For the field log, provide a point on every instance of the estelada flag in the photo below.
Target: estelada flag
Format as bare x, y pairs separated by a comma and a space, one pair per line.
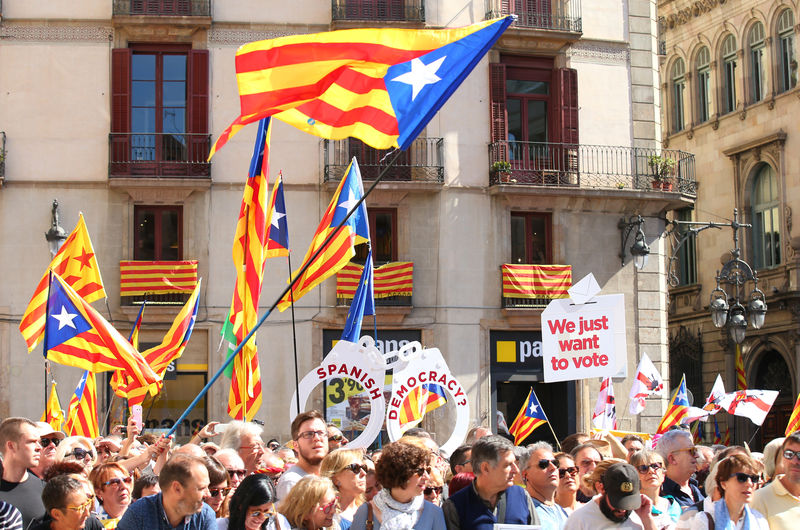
794, 419
75, 262
676, 410
379, 85
278, 235
529, 418
82, 409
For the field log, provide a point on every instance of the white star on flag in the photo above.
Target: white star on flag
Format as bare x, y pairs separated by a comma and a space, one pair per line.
349, 203
421, 74
65, 319
534, 408
277, 216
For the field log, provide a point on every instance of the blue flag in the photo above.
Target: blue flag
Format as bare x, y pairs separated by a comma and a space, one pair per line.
64, 320
363, 303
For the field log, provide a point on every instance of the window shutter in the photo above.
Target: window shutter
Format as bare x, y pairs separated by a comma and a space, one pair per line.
197, 112
497, 101
120, 110
567, 112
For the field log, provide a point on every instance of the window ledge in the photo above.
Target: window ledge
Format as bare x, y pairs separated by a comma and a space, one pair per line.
159, 190
528, 317
387, 315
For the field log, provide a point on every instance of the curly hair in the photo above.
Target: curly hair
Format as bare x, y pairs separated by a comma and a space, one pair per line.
399, 461
736, 463
254, 490
303, 498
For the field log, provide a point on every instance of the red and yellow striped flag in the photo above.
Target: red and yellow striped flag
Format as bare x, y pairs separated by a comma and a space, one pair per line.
536, 281
676, 410
156, 277
52, 412
794, 418
77, 265
741, 380
82, 409
392, 279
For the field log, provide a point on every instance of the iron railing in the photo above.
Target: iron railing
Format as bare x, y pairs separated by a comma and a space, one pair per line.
560, 15
156, 299
593, 166
397, 10
2, 155
422, 161
159, 154
525, 303
170, 8
389, 301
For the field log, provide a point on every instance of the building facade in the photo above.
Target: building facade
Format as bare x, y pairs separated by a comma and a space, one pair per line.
110, 108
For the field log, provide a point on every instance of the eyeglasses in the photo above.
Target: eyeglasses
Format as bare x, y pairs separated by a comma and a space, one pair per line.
44, 442
337, 438
789, 454
82, 507
545, 463
430, 490
328, 508
80, 453
118, 481
258, 514
357, 468
744, 477
237, 472
691, 450
215, 492
421, 471
644, 468
466, 462
309, 435
562, 471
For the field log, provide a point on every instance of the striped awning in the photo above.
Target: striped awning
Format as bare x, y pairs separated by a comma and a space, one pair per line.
392, 279
536, 281
157, 277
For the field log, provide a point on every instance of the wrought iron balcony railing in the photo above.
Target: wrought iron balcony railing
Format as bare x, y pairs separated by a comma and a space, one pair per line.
395, 10
423, 161
158, 154
593, 166
169, 8
559, 15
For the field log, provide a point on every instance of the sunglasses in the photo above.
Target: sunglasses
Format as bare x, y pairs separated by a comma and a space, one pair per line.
215, 492
788, 454
328, 508
562, 471
308, 435
430, 490
691, 450
44, 442
118, 481
273, 446
337, 438
237, 472
80, 454
421, 471
357, 468
744, 477
258, 514
545, 463
644, 468
82, 507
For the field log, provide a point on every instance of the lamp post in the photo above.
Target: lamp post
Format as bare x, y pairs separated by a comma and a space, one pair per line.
726, 309
56, 235
639, 249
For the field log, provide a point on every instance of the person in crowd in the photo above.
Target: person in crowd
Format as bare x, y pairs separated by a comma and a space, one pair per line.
190, 450
460, 460
252, 507
476, 506
433, 490
209, 430
574, 440
779, 501
521, 455
218, 486
112, 486
372, 486
677, 449
650, 465
619, 505
106, 448
272, 466
288, 456
21, 450
586, 457
234, 465
49, 440
77, 449
10, 518
632, 443
705, 455
592, 481
310, 504
210, 448
335, 437
67, 505
145, 486
404, 471
476, 433
245, 438
310, 436
347, 471
273, 444
737, 477
567, 483
65, 468
773, 459
459, 482
707, 504
541, 481
184, 482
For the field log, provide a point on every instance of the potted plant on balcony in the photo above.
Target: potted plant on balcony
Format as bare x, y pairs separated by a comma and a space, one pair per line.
502, 170
661, 168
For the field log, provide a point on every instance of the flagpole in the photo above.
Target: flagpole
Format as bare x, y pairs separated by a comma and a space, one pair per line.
294, 334
396, 154
44, 334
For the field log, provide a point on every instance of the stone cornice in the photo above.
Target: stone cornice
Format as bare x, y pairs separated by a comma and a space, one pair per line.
692, 9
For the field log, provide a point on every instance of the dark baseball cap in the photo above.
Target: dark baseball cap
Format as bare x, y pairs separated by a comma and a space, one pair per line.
621, 482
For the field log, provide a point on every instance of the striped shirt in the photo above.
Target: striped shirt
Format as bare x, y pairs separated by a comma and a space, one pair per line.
10, 518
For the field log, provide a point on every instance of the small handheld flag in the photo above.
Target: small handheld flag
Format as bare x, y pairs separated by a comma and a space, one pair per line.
82, 409
676, 410
530, 417
794, 418
605, 411
753, 404
648, 382
53, 413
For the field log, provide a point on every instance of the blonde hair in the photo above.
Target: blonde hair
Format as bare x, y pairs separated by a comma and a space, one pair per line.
339, 459
71, 442
304, 497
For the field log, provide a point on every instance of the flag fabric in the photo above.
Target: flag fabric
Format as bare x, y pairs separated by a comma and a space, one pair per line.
605, 411
697, 432
118, 379
717, 435
249, 258
82, 409
753, 404
77, 335
77, 264
138, 278
530, 417
676, 410
741, 380
536, 281
717, 391
379, 85
340, 249
52, 412
362, 304
133, 338
278, 232
392, 279
727, 441
794, 418
423, 399
648, 382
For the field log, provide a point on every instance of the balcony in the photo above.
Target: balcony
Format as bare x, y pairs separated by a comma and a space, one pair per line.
422, 162
156, 282
592, 167
393, 283
380, 10
527, 286
158, 155
2, 158
162, 8
554, 15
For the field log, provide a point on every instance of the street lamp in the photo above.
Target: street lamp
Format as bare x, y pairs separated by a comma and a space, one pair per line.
639, 249
56, 235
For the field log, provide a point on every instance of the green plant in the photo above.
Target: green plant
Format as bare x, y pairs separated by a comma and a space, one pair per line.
660, 166
501, 166
620, 185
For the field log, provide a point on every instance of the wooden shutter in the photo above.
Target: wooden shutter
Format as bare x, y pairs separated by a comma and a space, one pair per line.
120, 111
567, 105
497, 102
197, 112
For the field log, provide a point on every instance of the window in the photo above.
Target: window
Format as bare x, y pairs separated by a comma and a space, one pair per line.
687, 257
766, 218
703, 85
678, 86
157, 233
787, 62
729, 74
383, 233
530, 238
756, 45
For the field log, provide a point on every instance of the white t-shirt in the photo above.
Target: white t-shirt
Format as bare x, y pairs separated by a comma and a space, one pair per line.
287, 481
589, 517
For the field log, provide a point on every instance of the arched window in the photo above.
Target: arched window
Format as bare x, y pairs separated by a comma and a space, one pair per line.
703, 67
787, 65
766, 218
729, 74
755, 44
678, 86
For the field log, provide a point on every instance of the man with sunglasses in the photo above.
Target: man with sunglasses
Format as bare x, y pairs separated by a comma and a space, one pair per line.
310, 435
779, 501
49, 440
540, 476
335, 437
21, 450
677, 449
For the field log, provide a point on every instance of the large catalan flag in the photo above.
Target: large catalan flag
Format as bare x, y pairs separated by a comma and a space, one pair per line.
536, 281
340, 249
381, 86
392, 279
156, 277
52, 412
794, 418
529, 418
676, 410
82, 409
76, 263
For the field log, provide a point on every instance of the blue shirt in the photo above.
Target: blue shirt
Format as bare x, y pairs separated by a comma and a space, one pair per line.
670, 488
550, 515
148, 514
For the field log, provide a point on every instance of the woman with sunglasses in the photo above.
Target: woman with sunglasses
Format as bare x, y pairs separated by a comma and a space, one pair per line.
567, 489
347, 471
112, 488
650, 465
404, 471
252, 507
433, 491
310, 504
737, 478
217, 486
77, 449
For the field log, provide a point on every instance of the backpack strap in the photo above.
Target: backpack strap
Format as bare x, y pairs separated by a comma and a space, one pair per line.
710, 521
370, 524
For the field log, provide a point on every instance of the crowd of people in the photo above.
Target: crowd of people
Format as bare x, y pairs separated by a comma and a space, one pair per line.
227, 478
